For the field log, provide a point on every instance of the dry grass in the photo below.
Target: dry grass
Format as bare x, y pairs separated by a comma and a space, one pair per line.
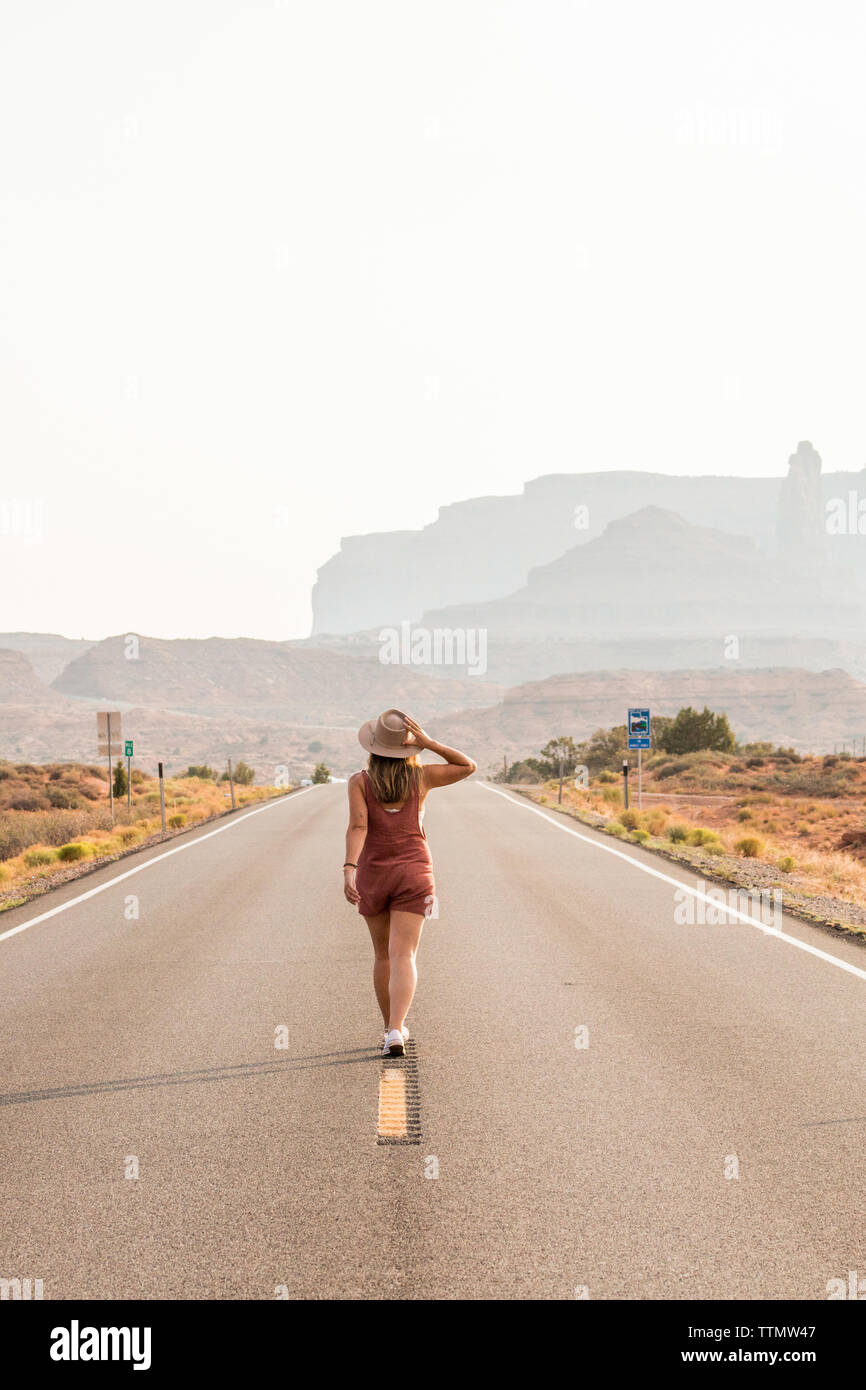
797, 836
34, 842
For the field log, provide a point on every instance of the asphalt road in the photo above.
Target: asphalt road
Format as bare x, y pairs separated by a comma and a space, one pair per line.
605, 1168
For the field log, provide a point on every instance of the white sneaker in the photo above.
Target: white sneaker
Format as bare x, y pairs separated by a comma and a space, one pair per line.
405, 1034
393, 1045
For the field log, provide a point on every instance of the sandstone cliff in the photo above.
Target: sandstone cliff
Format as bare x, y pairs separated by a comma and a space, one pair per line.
485, 547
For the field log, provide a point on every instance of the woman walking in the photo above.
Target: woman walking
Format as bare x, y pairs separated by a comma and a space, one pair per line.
388, 871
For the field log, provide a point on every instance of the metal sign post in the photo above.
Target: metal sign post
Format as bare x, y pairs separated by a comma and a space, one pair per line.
231, 784
625, 780
108, 723
127, 748
110, 782
639, 737
162, 797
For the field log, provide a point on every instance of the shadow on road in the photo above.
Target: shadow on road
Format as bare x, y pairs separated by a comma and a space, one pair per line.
191, 1078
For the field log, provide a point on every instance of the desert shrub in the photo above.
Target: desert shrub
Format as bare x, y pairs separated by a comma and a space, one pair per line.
28, 802
640, 836
72, 851
787, 863
655, 822
243, 775
701, 835
670, 771
630, 819
177, 821
525, 770
202, 770
714, 849
615, 828
754, 762
744, 814
813, 785
39, 855
692, 730
750, 847
61, 800
605, 776
56, 827
677, 833
128, 834
613, 796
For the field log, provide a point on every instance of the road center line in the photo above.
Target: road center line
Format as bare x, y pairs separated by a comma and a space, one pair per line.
678, 883
178, 849
393, 1120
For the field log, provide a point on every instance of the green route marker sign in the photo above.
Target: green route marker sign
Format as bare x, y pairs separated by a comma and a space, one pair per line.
127, 748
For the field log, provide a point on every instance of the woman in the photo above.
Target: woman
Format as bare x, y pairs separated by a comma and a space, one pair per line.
388, 870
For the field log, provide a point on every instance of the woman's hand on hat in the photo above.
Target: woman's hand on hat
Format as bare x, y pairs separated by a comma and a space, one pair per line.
418, 734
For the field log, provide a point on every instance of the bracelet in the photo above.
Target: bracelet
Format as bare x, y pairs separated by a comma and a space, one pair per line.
350, 866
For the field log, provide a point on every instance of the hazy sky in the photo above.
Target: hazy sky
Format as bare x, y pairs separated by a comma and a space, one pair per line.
273, 273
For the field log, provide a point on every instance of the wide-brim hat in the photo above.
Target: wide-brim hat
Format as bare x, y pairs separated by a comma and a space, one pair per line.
384, 736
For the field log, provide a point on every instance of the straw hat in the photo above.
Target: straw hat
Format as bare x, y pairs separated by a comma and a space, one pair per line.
384, 736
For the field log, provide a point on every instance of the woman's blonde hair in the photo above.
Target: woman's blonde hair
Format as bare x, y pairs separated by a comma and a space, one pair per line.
394, 779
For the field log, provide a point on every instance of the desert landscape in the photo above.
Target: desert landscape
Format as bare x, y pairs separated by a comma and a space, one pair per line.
585, 594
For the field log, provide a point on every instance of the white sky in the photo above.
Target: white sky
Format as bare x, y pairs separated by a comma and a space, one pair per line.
273, 273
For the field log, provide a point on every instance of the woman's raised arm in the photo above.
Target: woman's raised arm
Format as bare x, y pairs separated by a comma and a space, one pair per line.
457, 765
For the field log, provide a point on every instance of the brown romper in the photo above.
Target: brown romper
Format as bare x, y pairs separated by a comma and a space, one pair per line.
395, 869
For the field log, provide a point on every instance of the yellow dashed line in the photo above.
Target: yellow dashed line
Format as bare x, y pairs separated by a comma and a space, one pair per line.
393, 1119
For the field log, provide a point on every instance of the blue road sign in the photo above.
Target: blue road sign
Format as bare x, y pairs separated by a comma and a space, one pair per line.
638, 728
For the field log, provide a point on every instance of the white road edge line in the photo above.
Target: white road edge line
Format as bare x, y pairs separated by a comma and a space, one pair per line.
178, 849
678, 883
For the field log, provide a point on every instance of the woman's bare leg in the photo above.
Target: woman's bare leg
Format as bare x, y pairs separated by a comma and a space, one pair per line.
381, 963
403, 938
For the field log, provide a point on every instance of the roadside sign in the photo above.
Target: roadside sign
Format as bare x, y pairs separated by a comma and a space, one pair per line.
105, 720
638, 728
108, 739
127, 748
